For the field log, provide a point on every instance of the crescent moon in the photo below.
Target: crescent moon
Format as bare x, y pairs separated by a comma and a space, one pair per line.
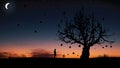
6, 5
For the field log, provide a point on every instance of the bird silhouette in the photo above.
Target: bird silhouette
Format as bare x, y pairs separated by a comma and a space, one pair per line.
69, 46
24, 5
73, 53
64, 13
79, 45
61, 44
35, 31
106, 45
41, 21
18, 24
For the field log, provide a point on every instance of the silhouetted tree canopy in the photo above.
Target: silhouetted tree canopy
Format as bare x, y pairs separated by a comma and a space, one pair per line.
83, 30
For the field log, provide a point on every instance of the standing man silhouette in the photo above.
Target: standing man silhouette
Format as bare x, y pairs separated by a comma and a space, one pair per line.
54, 53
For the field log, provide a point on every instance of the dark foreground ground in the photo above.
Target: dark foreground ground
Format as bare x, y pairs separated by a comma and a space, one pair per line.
60, 61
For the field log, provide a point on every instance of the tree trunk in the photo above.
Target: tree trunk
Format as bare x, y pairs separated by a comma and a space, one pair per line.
85, 53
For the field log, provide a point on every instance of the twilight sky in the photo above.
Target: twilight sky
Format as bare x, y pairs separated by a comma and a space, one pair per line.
29, 27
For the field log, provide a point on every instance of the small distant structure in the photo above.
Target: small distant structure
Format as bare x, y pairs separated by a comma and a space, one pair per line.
105, 55
63, 55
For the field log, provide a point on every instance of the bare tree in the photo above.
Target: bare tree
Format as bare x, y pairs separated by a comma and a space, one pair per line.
83, 30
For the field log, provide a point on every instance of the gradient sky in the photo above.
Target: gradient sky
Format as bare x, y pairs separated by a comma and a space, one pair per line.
30, 26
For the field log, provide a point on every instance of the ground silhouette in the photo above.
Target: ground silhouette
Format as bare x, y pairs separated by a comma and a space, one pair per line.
60, 61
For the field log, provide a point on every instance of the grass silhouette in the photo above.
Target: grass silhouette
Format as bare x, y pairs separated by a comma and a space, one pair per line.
60, 61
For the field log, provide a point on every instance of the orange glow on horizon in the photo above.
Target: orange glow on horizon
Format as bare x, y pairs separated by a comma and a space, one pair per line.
95, 51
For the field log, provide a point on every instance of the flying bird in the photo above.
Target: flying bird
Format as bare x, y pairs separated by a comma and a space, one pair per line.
41, 21
35, 31
64, 13
106, 46
61, 44
18, 24
24, 5
69, 46
79, 45
73, 53
110, 46
102, 18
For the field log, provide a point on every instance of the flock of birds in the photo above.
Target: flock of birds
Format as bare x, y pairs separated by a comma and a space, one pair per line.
35, 30
40, 22
80, 46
